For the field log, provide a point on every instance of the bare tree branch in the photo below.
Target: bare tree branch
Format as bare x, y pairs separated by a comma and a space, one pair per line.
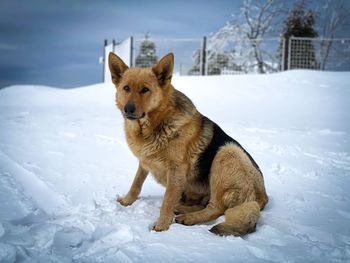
259, 16
336, 16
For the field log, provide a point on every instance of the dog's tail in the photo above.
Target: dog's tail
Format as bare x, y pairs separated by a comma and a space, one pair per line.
239, 220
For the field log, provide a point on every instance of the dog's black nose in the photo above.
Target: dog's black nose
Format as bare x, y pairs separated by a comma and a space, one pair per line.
129, 108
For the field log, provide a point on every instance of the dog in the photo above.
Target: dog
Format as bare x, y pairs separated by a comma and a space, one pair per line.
206, 173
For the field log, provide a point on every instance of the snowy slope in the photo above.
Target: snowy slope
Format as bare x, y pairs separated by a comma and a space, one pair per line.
64, 160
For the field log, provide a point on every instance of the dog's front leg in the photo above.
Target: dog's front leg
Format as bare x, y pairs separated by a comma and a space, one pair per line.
135, 188
176, 179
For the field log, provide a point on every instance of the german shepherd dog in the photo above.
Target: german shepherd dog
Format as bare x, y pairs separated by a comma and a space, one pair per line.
206, 173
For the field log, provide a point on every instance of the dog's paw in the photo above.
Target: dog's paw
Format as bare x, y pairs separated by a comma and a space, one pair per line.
218, 230
160, 228
185, 219
162, 224
125, 201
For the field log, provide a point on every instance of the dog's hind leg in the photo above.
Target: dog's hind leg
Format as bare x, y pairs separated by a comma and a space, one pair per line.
231, 184
185, 209
241, 181
209, 213
239, 220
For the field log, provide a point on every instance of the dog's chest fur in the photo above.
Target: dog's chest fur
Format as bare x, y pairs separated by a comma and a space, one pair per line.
177, 140
160, 149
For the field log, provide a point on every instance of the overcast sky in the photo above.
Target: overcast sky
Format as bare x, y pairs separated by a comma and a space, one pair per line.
58, 43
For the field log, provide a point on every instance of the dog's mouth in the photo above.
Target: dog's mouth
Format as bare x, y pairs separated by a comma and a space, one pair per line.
132, 117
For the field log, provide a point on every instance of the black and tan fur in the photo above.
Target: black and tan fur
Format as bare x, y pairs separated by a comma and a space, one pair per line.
206, 173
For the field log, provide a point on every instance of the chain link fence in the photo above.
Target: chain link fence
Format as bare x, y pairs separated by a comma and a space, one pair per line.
202, 56
318, 54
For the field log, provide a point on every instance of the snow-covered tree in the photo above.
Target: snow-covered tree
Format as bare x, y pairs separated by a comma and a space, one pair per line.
222, 63
218, 62
147, 53
261, 18
195, 69
220, 54
258, 18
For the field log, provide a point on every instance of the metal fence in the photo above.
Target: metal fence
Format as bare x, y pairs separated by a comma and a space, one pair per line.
202, 56
318, 54
243, 56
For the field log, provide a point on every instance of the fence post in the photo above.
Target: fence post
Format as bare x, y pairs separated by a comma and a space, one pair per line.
104, 59
131, 50
283, 64
204, 53
289, 52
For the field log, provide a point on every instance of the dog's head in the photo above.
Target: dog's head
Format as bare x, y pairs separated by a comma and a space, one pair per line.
140, 90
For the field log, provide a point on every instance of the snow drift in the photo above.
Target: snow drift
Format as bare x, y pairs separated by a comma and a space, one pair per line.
64, 160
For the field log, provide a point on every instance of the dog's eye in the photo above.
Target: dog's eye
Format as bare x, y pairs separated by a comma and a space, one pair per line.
144, 90
126, 88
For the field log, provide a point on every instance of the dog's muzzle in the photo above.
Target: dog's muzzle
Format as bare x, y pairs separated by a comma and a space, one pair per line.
130, 112
133, 117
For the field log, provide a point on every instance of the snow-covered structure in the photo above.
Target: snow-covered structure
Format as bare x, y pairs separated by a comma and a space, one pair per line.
122, 49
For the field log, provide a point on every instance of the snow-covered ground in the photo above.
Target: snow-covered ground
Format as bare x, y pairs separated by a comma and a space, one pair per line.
64, 160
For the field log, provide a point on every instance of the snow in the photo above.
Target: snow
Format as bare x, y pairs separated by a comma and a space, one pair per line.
64, 161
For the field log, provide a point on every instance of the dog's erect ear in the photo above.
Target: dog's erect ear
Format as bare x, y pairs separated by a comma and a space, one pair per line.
117, 67
164, 69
